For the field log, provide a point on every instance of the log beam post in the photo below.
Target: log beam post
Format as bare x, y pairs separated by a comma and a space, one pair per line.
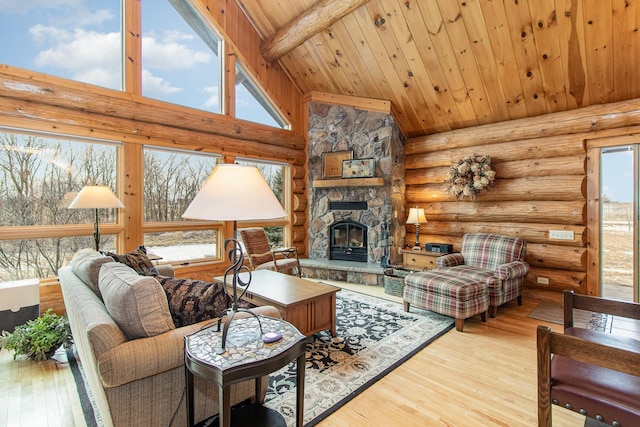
321, 16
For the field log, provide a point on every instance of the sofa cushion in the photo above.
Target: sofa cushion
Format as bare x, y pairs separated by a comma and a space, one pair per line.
136, 259
137, 303
86, 265
192, 301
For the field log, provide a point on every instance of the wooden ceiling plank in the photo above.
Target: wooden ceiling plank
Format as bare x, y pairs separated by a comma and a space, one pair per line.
454, 25
503, 91
545, 31
416, 74
598, 41
320, 17
572, 51
257, 16
518, 17
333, 65
517, 58
626, 49
592, 49
405, 99
430, 62
375, 67
448, 62
350, 40
395, 47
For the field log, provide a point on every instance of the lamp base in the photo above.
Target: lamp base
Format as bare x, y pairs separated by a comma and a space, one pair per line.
225, 327
416, 248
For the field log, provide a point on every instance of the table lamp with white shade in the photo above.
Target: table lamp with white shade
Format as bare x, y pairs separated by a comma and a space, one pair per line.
96, 197
234, 193
417, 217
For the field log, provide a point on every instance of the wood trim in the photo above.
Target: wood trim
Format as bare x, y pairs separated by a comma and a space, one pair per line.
594, 277
348, 182
229, 84
56, 231
131, 189
132, 55
369, 104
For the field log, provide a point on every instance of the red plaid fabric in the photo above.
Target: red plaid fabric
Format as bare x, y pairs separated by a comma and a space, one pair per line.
496, 261
454, 296
489, 251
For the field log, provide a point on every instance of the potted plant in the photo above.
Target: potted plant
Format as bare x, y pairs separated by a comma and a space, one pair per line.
38, 339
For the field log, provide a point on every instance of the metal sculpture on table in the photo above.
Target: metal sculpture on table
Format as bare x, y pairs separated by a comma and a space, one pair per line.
234, 251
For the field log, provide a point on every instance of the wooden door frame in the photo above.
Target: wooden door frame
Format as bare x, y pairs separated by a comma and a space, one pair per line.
593, 148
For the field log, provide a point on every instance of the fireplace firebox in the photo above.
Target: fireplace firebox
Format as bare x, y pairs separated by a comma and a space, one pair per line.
348, 241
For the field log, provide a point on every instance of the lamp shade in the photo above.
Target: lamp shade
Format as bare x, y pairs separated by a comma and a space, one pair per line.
416, 216
95, 197
235, 193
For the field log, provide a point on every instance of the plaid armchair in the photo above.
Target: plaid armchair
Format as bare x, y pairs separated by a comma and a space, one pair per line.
497, 261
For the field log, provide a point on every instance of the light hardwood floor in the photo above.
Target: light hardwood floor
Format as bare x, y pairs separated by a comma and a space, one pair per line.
484, 376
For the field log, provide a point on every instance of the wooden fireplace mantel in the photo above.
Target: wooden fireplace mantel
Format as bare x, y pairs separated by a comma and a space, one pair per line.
348, 182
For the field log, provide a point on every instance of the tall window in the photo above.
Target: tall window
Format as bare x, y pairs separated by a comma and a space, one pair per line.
39, 176
77, 40
171, 180
180, 56
251, 104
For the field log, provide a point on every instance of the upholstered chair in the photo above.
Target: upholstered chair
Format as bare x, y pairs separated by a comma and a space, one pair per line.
593, 372
497, 261
263, 257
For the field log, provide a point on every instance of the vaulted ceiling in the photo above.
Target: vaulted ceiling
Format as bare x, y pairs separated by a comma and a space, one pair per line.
450, 64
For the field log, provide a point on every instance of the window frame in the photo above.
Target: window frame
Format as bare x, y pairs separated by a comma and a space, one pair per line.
188, 225
62, 231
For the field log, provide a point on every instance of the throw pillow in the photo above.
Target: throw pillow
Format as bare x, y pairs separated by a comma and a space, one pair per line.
86, 265
192, 301
136, 303
136, 259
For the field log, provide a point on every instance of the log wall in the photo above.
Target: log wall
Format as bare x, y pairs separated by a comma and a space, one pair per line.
540, 185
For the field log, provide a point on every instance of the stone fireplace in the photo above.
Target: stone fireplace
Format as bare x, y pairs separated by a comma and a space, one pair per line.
369, 213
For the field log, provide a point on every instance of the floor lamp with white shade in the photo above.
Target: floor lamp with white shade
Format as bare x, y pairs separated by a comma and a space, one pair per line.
235, 193
96, 197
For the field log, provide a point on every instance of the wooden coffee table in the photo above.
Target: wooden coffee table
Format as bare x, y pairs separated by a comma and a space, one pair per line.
310, 306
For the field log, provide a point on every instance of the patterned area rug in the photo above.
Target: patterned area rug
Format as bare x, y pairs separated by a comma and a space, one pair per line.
374, 336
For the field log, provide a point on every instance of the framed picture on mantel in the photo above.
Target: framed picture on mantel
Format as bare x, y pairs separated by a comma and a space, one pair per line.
332, 163
358, 168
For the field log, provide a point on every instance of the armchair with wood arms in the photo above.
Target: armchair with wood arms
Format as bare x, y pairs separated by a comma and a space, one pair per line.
594, 373
263, 257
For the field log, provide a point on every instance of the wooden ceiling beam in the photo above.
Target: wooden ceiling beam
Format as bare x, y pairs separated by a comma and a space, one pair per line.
320, 17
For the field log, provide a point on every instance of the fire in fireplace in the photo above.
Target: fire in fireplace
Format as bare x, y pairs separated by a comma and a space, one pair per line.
348, 241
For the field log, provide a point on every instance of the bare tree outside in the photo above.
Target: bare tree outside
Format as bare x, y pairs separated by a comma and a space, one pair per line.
171, 181
38, 179
41, 175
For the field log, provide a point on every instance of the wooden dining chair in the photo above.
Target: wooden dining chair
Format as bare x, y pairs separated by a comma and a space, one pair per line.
594, 373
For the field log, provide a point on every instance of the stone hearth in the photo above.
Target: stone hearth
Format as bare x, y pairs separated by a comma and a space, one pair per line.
368, 135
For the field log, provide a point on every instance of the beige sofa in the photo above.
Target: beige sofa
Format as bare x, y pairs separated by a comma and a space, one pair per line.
135, 382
